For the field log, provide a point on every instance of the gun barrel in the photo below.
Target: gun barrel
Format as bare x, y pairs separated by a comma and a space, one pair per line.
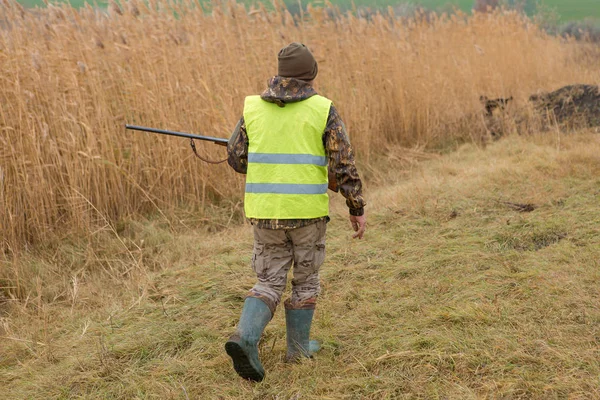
219, 141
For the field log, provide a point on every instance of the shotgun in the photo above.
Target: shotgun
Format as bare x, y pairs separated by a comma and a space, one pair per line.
219, 141
332, 184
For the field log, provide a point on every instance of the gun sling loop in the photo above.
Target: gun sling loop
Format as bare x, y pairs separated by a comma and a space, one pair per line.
202, 158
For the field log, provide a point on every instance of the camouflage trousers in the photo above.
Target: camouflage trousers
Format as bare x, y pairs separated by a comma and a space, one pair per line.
276, 250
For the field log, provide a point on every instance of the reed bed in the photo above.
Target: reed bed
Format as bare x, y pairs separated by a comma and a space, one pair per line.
71, 78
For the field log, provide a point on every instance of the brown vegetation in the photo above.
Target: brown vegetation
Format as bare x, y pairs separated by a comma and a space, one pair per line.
72, 79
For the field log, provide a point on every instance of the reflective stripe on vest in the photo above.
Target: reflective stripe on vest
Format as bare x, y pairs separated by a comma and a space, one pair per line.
287, 165
265, 158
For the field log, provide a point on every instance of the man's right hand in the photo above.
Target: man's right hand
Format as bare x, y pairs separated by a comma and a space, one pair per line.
359, 224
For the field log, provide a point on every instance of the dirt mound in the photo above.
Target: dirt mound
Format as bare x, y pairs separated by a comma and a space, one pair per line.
570, 107
578, 104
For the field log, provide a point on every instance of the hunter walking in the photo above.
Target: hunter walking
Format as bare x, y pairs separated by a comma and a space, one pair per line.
292, 144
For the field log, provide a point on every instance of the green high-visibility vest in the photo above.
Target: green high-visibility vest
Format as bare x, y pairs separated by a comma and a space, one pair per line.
287, 164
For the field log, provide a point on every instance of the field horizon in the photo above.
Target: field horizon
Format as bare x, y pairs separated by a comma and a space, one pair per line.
574, 11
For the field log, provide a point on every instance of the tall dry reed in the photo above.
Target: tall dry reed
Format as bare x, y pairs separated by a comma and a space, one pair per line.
72, 78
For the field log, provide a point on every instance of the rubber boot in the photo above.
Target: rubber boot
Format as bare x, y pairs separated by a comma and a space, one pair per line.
298, 322
242, 346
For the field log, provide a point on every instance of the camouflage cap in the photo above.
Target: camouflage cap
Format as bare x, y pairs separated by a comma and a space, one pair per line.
296, 61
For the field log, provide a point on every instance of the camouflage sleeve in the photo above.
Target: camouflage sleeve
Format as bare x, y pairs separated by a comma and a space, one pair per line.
237, 148
341, 162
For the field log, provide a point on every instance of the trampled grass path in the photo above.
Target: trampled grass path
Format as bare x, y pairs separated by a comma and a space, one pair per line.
458, 292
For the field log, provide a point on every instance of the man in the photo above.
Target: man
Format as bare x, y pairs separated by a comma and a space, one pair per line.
287, 141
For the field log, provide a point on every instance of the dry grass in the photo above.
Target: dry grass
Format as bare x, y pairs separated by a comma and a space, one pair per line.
72, 78
453, 294
123, 265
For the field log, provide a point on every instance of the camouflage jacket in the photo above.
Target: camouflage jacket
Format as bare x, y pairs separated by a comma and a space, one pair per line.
335, 140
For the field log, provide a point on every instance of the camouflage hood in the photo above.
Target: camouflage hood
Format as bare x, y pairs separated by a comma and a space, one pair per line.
287, 90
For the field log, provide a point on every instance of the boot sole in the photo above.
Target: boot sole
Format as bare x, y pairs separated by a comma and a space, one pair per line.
241, 363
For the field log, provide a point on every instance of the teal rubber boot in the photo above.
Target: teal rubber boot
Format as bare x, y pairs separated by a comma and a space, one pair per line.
298, 322
242, 346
